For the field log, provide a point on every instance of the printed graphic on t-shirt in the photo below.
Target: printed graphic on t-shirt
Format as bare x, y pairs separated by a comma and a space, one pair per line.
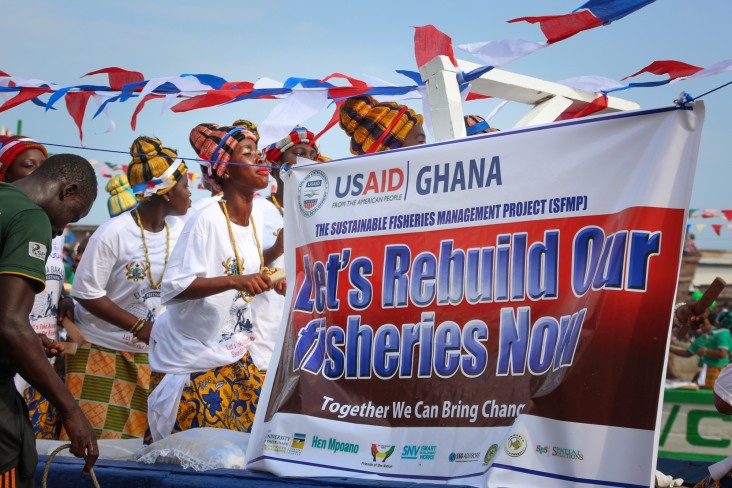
238, 320
136, 270
37, 250
230, 267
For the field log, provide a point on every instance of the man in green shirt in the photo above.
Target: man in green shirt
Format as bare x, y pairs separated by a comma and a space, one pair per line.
32, 210
712, 347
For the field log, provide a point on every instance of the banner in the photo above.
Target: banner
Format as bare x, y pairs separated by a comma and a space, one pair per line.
486, 311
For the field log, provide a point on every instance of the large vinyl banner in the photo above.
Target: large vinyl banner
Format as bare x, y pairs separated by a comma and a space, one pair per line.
486, 311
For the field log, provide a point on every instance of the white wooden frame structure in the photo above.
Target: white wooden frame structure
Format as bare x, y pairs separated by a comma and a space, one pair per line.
548, 99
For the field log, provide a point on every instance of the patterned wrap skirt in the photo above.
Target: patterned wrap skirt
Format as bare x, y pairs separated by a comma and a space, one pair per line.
112, 389
222, 398
44, 416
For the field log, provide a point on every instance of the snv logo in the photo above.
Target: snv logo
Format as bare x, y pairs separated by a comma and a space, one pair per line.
384, 181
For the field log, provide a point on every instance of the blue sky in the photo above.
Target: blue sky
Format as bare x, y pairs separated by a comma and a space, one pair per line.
60, 41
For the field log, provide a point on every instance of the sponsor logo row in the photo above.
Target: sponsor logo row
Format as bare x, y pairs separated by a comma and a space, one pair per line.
516, 446
382, 455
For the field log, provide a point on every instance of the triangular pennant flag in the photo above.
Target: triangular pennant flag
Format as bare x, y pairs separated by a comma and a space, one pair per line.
727, 214
76, 105
597, 105
119, 77
611, 10
559, 27
717, 228
140, 105
674, 69
429, 42
709, 213
692, 211
700, 227
25, 94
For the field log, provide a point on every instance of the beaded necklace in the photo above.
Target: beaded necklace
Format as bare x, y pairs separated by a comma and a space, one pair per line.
154, 285
239, 262
277, 204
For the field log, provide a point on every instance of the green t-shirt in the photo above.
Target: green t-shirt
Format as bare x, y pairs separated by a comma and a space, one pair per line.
25, 236
715, 339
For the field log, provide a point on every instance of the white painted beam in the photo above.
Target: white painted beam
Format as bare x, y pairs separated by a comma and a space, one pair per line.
445, 102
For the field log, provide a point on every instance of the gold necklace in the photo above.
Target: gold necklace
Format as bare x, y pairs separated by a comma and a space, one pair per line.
239, 262
277, 204
147, 254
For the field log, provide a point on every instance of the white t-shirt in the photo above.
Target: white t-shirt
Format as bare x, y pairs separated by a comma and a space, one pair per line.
114, 265
44, 315
267, 307
199, 205
202, 334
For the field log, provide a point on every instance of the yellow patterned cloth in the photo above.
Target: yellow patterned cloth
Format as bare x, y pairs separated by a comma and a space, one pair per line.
221, 398
112, 389
709, 482
711, 377
44, 417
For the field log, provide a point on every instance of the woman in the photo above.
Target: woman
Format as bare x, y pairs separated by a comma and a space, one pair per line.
380, 126
117, 287
19, 157
201, 370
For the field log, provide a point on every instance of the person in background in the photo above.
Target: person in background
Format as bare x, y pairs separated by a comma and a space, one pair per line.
475, 124
720, 474
117, 289
202, 372
121, 199
35, 209
19, 157
380, 126
712, 347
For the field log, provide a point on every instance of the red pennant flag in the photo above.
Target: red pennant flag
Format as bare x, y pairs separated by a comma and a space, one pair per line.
674, 69
598, 104
25, 94
717, 228
140, 105
212, 98
476, 96
351, 80
3, 73
727, 214
76, 105
119, 77
429, 43
558, 27
333, 120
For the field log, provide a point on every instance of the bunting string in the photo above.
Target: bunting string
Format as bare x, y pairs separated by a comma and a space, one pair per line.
301, 98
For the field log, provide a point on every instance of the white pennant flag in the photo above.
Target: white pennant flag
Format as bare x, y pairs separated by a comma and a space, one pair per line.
500, 53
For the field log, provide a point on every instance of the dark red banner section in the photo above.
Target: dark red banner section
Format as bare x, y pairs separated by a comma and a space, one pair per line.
469, 327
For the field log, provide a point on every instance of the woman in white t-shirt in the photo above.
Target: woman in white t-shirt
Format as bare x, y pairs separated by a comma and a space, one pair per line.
199, 345
117, 288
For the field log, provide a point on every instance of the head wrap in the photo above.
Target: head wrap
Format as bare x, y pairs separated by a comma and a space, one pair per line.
12, 146
475, 124
299, 135
154, 169
248, 125
215, 145
375, 127
121, 198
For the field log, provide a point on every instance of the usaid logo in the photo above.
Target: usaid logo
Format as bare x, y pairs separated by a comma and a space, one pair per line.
312, 192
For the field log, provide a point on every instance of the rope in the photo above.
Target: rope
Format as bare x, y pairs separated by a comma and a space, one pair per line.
128, 153
685, 98
47, 468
